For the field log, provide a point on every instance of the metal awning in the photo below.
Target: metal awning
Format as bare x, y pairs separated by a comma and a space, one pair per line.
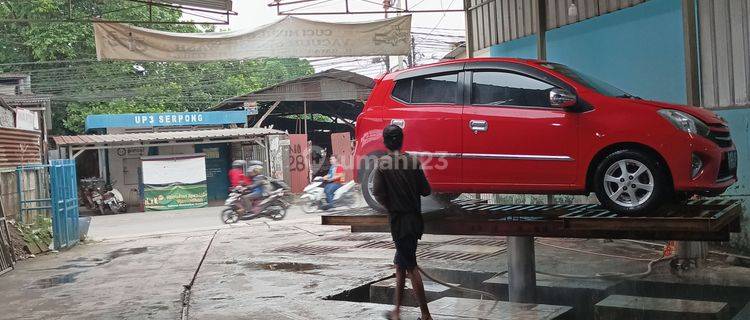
81, 143
223, 5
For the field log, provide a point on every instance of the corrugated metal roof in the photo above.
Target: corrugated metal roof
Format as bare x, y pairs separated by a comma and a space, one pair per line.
223, 5
329, 85
182, 136
25, 99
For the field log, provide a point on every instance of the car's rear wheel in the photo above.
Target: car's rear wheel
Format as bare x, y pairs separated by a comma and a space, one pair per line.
631, 181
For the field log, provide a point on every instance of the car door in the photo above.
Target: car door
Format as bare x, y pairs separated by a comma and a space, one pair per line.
513, 140
428, 108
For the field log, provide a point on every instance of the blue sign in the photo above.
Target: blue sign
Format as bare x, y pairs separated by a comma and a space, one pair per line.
145, 120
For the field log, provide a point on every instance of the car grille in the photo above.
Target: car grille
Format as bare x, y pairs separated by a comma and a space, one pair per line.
720, 136
724, 172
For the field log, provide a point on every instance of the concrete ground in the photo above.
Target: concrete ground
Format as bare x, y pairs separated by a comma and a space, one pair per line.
139, 265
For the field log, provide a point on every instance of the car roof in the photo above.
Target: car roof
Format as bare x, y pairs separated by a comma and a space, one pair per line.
394, 74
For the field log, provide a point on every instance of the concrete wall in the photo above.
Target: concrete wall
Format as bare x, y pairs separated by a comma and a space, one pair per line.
7, 118
620, 48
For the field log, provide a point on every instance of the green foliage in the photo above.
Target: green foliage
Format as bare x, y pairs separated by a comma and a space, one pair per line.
80, 88
39, 232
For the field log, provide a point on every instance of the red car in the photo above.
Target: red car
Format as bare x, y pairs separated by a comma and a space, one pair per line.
492, 125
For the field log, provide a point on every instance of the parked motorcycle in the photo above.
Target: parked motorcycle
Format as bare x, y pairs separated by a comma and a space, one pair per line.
272, 206
96, 195
314, 197
114, 201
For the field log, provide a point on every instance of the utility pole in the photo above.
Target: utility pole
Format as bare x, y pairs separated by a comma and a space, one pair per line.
387, 59
412, 58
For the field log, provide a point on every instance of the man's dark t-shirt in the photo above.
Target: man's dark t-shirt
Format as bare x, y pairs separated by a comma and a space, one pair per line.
399, 183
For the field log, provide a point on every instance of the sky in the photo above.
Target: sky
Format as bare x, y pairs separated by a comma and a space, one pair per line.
433, 31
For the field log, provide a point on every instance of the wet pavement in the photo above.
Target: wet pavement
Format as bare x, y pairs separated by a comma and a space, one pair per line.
299, 269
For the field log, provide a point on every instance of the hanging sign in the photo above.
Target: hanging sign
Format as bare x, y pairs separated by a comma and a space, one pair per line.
290, 37
175, 182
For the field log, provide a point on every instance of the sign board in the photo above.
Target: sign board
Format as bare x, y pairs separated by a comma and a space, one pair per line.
290, 37
26, 119
299, 162
175, 182
341, 144
147, 120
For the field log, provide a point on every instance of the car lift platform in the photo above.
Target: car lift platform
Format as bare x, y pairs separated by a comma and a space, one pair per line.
699, 220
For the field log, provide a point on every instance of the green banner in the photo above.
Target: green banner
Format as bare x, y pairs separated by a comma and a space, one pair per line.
176, 196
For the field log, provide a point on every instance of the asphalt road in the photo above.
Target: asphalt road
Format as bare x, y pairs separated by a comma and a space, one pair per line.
128, 225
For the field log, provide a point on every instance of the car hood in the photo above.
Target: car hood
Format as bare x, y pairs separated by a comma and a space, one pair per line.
705, 115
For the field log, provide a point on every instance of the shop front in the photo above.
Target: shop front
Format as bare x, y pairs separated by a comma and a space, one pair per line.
144, 156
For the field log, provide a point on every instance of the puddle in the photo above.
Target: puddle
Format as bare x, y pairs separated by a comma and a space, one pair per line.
56, 280
126, 252
96, 262
283, 266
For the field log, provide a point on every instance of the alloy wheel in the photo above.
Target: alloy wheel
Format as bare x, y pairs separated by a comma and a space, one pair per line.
628, 183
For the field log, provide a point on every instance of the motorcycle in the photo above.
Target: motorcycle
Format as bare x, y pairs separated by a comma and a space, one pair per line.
314, 196
95, 195
114, 201
272, 206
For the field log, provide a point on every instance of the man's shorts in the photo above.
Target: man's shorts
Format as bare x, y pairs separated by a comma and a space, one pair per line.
406, 252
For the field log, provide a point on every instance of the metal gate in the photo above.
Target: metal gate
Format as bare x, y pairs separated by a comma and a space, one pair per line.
64, 191
6, 252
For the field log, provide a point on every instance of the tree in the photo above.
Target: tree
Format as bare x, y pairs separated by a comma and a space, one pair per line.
80, 88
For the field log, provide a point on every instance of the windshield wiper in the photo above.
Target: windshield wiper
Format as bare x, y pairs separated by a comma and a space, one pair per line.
628, 96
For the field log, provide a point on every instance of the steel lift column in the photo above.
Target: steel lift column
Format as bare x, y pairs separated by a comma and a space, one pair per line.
521, 270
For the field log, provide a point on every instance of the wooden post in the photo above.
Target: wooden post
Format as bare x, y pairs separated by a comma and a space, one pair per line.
469, 30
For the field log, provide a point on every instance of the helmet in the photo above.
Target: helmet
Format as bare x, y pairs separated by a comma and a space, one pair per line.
255, 169
255, 163
238, 163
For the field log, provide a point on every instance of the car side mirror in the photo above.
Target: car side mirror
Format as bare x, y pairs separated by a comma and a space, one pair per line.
562, 98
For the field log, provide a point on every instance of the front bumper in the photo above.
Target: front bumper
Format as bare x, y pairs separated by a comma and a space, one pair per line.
715, 176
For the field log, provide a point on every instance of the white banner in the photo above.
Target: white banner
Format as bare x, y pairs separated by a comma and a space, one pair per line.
287, 38
165, 170
26, 119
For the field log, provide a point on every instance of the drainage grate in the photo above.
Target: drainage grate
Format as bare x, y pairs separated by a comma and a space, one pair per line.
309, 250
358, 237
478, 242
459, 256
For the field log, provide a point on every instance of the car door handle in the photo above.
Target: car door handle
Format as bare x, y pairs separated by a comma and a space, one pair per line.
478, 125
398, 122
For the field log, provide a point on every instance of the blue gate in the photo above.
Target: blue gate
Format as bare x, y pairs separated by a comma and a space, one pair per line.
64, 192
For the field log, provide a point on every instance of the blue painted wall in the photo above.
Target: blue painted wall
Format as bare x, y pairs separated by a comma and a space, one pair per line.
639, 49
519, 48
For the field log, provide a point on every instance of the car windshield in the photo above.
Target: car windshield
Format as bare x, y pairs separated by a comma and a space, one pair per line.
588, 81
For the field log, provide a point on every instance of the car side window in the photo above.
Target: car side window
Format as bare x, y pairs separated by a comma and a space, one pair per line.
508, 89
402, 90
428, 89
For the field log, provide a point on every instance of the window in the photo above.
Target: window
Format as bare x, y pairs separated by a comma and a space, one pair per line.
586, 80
402, 90
508, 89
430, 89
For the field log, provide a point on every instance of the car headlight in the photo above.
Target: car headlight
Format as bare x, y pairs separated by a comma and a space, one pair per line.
685, 122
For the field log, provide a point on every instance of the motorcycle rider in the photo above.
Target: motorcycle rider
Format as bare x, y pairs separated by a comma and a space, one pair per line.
334, 179
237, 176
256, 190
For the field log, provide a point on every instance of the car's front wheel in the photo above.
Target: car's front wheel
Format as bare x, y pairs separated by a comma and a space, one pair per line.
631, 181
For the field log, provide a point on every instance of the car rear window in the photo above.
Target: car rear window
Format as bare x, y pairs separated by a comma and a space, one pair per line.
429, 89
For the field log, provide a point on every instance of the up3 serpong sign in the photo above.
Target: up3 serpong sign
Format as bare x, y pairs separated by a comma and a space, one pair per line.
140, 120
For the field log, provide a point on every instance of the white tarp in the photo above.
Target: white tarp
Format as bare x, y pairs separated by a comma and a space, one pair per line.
287, 38
180, 169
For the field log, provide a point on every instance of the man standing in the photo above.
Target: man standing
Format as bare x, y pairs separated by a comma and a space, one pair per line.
399, 184
334, 178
